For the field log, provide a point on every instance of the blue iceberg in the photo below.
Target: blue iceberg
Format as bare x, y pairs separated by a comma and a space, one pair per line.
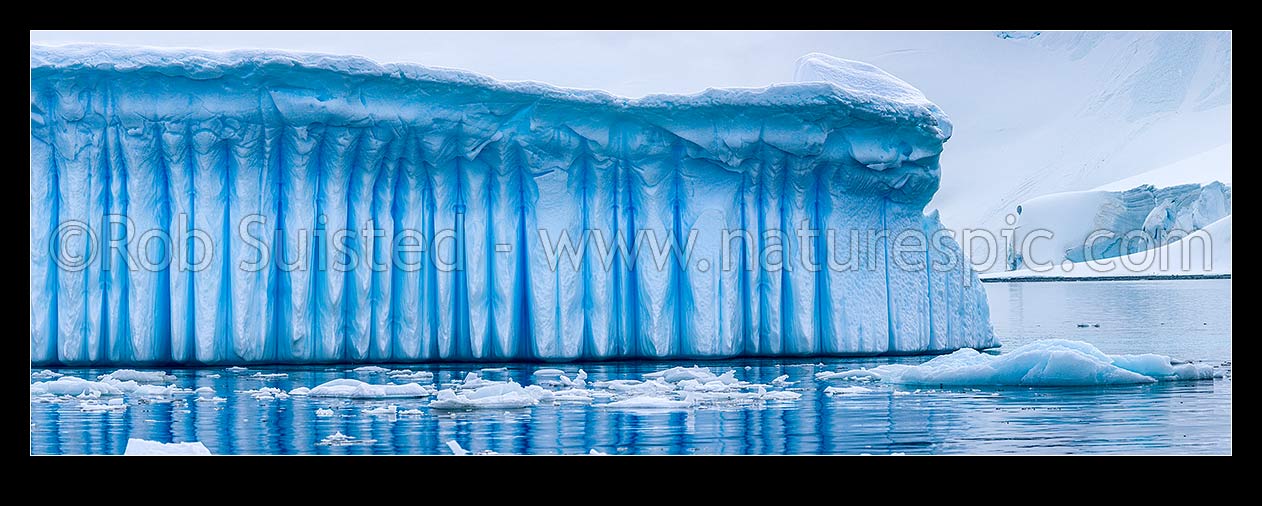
198, 207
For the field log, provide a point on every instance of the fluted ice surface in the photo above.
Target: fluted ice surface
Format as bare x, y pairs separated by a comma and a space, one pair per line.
216, 187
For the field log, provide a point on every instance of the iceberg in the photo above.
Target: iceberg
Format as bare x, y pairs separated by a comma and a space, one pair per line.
1126, 218
1044, 363
253, 207
144, 447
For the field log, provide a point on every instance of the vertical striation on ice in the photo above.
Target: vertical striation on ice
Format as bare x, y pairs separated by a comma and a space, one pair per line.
314, 208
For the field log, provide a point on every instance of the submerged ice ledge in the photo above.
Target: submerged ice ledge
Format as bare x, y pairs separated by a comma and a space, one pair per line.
186, 143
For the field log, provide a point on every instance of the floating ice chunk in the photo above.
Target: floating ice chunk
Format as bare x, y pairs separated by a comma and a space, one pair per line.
213, 376
339, 439
1050, 362
847, 390
236, 369
114, 405
211, 399
676, 374
325, 413
649, 402
539, 393
579, 381
355, 389
508, 395
635, 387
300, 391
411, 412
781, 381
409, 375
596, 452
157, 391
474, 381
390, 410
70, 385
138, 376
144, 447
542, 373
369, 369
456, 448
269, 376
780, 395
204, 391
46, 374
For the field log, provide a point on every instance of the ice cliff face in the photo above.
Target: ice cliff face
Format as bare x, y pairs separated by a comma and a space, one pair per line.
188, 207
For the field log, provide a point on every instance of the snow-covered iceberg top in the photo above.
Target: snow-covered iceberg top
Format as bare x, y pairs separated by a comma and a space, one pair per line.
824, 117
823, 81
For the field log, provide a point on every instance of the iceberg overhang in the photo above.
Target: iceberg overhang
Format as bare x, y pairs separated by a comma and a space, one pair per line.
266, 207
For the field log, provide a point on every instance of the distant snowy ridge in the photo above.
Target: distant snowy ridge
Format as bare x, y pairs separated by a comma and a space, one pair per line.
478, 171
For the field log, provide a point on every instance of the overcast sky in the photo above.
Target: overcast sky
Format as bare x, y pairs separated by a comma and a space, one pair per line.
626, 63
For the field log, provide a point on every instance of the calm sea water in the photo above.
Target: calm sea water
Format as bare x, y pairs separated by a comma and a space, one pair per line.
1186, 319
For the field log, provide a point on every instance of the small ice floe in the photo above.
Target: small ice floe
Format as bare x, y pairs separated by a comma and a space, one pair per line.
539, 393
113, 405
300, 391
779, 395
144, 447
409, 375
596, 452
157, 377
579, 381
355, 389
507, 395
474, 381
781, 381
677, 374
649, 402
369, 369
388, 411
544, 373
266, 394
577, 396
636, 387
204, 391
847, 390
269, 376
456, 449
213, 376
1049, 362
237, 369
325, 413
211, 399
70, 385
411, 412
158, 391
339, 439
46, 374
